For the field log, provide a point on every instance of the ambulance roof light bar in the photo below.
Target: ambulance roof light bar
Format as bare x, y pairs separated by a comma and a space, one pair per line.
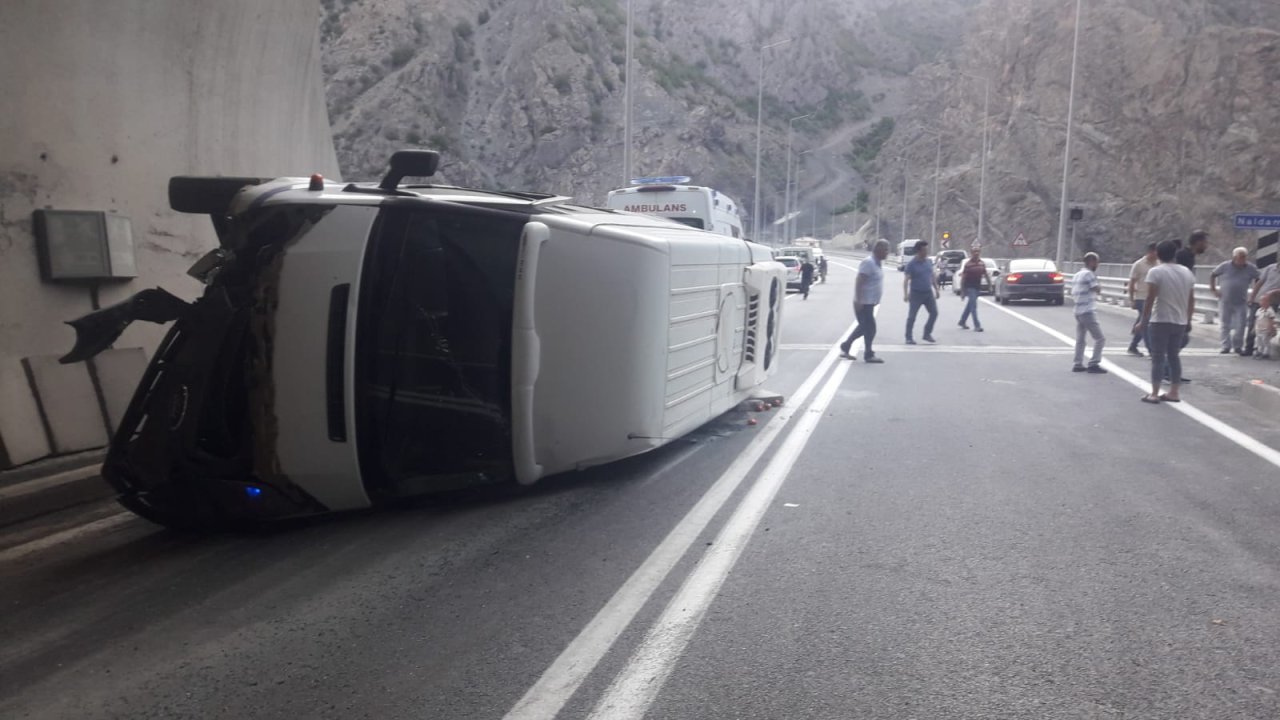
670, 180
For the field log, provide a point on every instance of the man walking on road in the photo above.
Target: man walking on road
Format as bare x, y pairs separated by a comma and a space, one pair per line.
920, 288
1233, 298
972, 275
1138, 296
867, 291
1085, 288
1171, 301
806, 277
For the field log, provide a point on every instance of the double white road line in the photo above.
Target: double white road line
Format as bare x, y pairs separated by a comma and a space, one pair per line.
635, 688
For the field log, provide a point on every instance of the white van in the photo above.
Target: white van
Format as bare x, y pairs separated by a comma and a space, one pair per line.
698, 207
358, 343
906, 249
803, 253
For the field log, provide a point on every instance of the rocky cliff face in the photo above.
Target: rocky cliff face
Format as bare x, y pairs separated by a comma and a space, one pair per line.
528, 93
1177, 123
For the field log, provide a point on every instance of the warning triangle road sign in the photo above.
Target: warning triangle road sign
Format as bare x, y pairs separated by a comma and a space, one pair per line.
1021, 241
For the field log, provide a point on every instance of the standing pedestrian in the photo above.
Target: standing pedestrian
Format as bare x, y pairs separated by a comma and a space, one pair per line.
1267, 322
806, 277
1171, 300
1197, 244
972, 275
868, 288
1085, 289
920, 289
1267, 282
1138, 296
822, 268
1237, 274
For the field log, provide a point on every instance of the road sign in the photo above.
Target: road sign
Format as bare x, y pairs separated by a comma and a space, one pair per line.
946, 243
1021, 241
1267, 247
1246, 221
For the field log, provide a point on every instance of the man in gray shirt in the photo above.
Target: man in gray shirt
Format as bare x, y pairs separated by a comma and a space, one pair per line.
1230, 281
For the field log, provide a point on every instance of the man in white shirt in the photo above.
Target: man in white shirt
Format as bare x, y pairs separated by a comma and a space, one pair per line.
1138, 295
1171, 301
868, 289
1085, 288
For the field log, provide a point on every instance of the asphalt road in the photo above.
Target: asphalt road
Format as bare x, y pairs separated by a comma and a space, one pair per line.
967, 531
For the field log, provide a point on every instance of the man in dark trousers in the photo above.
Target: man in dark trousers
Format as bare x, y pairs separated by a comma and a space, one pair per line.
867, 291
806, 277
822, 268
920, 289
1197, 244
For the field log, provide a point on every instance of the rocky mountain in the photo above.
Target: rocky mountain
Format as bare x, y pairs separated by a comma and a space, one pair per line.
1177, 124
529, 93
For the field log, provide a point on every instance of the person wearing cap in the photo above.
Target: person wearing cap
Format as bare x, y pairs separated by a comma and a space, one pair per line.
1085, 289
1237, 275
920, 289
1138, 296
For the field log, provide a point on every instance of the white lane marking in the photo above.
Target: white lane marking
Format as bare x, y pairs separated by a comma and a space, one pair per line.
1245, 441
970, 349
103, 525
846, 267
635, 688
561, 680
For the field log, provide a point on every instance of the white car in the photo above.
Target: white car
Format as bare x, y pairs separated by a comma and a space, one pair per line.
794, 275
358, 343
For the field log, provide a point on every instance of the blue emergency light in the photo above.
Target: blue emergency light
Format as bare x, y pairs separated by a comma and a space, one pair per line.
671, 180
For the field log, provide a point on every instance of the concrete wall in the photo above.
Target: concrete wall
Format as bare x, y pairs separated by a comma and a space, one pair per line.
102, 101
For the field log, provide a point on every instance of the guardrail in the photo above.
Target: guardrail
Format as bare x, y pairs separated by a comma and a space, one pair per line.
1115, 291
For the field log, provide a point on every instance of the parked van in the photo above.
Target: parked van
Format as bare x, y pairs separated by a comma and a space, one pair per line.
703, 208
804, 254
906, 249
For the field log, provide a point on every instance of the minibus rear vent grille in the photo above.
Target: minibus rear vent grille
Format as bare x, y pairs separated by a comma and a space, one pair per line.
753, 326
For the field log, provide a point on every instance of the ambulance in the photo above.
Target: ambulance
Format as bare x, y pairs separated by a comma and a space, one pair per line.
357, 343
673, 198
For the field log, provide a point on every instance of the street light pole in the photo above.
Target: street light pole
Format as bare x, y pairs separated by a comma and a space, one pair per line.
879, 204
1066, 158
786, 193
986, 145
904, 198
937, 174
626, 107
755, 207
792, 223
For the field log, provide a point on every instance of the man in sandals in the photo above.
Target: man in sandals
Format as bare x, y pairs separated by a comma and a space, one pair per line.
1171, 301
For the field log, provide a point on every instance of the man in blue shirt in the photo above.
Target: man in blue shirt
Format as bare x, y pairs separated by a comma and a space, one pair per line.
920, 287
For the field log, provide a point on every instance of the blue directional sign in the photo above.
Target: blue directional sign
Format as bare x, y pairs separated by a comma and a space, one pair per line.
1257, 222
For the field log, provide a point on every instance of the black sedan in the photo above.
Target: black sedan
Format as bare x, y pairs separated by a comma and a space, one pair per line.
1031, 279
